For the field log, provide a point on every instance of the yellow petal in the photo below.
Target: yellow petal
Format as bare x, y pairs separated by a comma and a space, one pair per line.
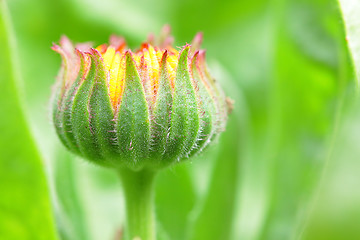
119, 83
154, 68
109, 57
114, 73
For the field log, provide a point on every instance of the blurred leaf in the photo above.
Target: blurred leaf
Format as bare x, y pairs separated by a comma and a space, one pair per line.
213, 217
350, 11
306, 98
175, 198
25, 211
336, 212
70, 212
101, 199
214, 220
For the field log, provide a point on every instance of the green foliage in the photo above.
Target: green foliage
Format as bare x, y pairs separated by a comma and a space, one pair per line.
25, 211
70, 215
350, 10
294, 124
218, 207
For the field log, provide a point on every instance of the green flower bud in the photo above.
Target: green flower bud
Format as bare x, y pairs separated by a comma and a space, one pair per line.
147, 109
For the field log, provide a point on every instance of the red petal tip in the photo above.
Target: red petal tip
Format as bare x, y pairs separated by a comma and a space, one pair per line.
164, 56
117, 41
166, 29
85, 47
55, 47
128, 53
151, 38
196, 43
196, 54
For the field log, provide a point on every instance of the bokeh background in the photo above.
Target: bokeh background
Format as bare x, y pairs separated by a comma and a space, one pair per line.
286, 168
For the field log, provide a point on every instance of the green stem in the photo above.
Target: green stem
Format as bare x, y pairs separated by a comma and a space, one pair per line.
138, 191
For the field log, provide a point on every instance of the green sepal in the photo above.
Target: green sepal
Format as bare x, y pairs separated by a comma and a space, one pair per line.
160, 124
80, 119
185, 117
58, 98
101, 111
146, 82
218, 97
66, 106
133, 127
56, 115
206, 108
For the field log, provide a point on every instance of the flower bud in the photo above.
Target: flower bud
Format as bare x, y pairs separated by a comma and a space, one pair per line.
149, 108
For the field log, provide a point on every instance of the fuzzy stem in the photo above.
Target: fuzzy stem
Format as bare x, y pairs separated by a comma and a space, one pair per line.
138, 191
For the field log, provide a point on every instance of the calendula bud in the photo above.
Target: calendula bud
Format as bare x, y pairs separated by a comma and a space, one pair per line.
149, 108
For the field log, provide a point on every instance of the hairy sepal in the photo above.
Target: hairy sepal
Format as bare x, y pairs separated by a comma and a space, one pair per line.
185, 121
132, 124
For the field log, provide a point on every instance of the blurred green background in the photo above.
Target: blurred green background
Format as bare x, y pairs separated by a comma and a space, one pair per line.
286, 168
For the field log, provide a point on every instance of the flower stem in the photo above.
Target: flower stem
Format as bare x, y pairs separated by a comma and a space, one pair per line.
138, 191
